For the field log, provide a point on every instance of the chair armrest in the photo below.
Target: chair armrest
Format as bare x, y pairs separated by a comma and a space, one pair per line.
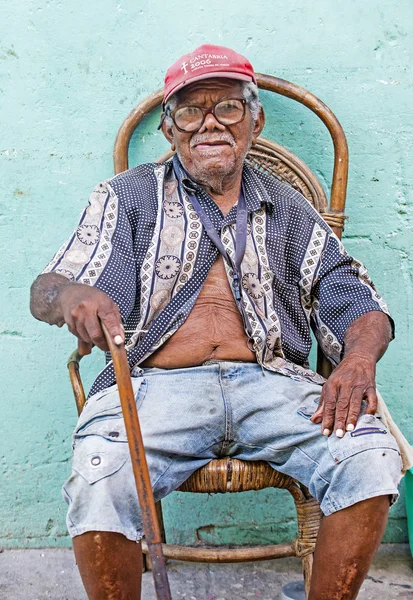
77, 385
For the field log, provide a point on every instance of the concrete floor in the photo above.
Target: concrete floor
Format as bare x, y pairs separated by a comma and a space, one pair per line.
45, 574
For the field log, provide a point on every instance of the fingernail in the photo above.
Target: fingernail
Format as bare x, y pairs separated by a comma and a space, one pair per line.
118, 340
326, 432
350, 427
339, 433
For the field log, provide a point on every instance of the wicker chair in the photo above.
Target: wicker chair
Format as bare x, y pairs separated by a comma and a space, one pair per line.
231, 475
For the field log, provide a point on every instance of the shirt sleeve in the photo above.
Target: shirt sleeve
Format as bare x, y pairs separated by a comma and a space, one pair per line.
100, 250
342, 292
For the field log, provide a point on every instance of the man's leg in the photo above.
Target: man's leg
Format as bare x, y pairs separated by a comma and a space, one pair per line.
182, 420
346, 544
110, 565
352, 477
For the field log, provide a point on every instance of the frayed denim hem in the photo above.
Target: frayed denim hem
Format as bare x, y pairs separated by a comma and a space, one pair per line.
330, 505
131, 535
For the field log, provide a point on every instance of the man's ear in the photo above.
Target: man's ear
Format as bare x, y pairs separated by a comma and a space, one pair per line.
167, 131
258, 125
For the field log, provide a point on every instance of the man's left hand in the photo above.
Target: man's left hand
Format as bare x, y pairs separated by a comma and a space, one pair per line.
340, 404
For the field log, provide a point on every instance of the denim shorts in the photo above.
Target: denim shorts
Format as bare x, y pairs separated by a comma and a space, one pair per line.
193, 415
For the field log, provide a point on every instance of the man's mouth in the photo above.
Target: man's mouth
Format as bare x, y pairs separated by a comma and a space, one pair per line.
208, 145
204, 143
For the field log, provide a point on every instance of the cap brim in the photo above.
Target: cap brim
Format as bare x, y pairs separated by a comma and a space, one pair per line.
223, 74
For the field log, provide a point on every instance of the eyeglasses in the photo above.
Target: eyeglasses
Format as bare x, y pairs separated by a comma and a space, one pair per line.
189, 119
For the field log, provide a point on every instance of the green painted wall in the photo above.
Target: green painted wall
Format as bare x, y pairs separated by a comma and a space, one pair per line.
69, 73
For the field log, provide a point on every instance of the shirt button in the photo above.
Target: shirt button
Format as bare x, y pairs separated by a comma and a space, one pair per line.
95, 460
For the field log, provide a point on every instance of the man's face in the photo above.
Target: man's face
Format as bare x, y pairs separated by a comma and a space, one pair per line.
215, 150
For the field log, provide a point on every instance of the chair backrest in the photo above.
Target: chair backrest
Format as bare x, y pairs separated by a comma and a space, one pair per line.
269, 156
273, 159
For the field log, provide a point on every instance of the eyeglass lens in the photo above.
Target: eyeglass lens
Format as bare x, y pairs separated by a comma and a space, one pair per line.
227, 112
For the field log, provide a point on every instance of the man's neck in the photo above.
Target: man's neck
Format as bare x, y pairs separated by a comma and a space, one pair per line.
226, 200
225, 191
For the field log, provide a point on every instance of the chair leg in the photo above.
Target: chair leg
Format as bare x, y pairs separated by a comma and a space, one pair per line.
145, 563
307, 562
145, 558
309, 519
159, 513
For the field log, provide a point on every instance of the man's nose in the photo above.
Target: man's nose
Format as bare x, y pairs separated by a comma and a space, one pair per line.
210, 124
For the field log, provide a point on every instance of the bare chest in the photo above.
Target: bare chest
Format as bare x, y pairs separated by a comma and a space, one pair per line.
213, 329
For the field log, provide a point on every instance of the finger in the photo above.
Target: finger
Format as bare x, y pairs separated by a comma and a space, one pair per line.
354, 408
84, 348
95, 332
371, 396
75, 324
70, 324
330, 397
318, 415
77, 329
341, 412
113, 323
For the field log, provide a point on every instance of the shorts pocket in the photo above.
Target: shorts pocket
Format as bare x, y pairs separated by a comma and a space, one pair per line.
369, 434
102, 415
308, 408
96, 458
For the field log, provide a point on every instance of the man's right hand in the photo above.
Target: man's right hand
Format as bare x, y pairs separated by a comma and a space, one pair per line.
84, 309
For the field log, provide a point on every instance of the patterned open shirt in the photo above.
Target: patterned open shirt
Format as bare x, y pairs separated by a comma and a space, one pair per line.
141, 242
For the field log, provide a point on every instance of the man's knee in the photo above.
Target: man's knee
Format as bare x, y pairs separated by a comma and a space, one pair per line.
367, 464
110, 565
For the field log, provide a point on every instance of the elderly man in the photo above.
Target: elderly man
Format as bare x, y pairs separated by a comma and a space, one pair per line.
213, 273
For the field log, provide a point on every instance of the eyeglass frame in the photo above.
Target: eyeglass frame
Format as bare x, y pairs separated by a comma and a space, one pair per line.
211, 110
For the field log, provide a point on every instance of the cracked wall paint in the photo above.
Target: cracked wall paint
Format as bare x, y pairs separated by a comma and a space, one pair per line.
69, 75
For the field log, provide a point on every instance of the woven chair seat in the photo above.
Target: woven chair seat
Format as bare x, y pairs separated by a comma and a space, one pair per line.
226, 475
231, 475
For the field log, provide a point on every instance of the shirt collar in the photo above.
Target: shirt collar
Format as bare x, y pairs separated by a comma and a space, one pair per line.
255, 192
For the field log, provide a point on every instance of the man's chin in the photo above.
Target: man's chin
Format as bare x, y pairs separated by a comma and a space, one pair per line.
215, 169
216, 162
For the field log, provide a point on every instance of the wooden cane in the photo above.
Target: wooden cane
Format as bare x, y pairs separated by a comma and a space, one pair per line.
137, 452
140, 468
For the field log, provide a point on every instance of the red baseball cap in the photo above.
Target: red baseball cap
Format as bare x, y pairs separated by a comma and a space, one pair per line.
204, 62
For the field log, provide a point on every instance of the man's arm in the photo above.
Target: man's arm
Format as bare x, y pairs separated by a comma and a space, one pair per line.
97, 256
56, 300
353, 380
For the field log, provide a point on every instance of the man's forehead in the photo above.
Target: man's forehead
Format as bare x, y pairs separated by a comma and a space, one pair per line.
207, 87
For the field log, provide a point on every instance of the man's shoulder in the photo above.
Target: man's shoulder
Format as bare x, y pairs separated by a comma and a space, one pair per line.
137, 189
145, 174
279, 191
283, 196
